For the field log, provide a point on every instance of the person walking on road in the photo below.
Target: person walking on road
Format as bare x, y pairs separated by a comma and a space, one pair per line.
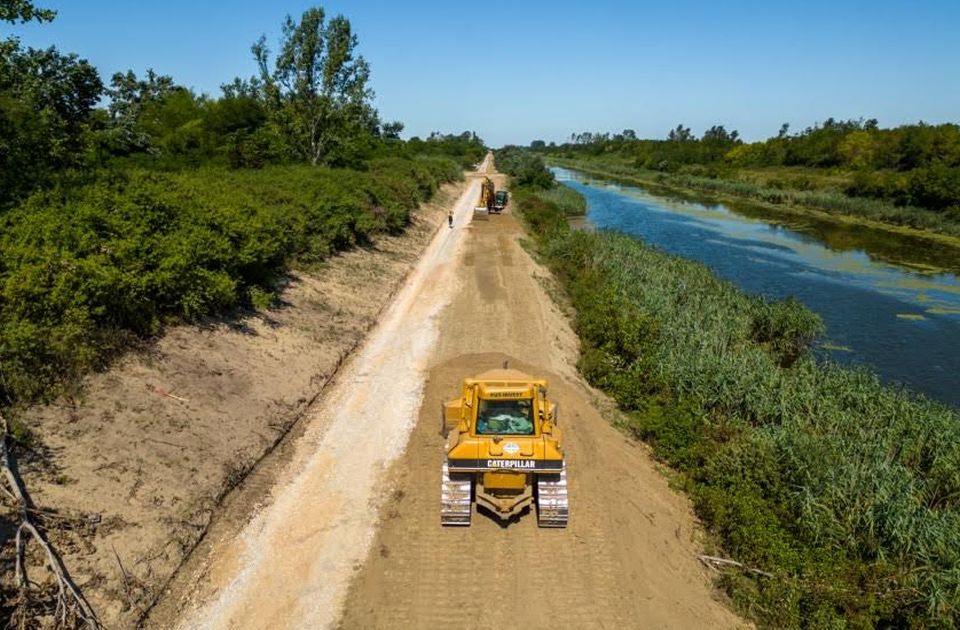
450, 219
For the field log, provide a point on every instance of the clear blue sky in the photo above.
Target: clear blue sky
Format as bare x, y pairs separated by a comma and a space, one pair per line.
522, 70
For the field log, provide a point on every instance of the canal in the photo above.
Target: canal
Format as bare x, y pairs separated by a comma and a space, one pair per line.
888, 300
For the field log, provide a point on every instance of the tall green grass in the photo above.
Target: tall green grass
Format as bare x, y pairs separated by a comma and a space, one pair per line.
85, 270
846, 490
568, 200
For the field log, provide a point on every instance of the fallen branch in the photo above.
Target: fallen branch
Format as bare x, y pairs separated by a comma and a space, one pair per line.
163, 392
712, 562
164, 442
72, 609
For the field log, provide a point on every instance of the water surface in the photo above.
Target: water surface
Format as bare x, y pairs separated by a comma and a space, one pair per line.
889, 301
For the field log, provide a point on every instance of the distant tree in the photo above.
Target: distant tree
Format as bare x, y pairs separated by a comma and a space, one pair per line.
524, 167
392, 130
858, 149
629, 134
784, 130
242, 88
238, 109
538, 145
129, 96
915, 143
46, 101
719, 134
317, 92
680, 134
746, 154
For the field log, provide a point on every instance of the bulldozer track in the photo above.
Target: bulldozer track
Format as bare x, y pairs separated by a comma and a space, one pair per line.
553, 506
456, 500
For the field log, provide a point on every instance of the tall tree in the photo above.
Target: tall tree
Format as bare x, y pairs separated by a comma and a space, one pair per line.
317, 92
680, 134
129, 95
46, 99
23, 11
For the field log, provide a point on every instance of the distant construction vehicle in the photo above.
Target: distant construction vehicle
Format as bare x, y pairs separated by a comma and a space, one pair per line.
485, 203
500, 200
503, 451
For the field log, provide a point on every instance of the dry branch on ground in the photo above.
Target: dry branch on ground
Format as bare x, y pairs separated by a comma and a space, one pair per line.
71, 609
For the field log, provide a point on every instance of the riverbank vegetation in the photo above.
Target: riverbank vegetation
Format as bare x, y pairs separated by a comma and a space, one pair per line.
164, 205
527, 172
909, 175
842, 492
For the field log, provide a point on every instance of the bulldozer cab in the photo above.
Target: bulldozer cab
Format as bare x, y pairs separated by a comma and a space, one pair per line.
505, 417
505, 409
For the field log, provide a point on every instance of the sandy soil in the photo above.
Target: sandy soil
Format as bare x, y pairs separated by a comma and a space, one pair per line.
152, 446
350, 533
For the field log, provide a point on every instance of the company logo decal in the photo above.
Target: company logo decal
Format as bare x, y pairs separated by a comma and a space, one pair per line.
515, 464
511, 448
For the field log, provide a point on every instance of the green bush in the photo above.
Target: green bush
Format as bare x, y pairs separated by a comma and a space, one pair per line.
524, 168
936, 187
85, 269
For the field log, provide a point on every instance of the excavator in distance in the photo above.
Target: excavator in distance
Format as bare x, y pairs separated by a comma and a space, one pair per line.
485, 204
504, 451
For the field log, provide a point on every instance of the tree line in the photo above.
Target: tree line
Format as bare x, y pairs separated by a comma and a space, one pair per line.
310, 102
909, 165
131, 202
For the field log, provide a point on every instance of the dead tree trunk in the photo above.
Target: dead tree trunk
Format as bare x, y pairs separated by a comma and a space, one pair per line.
72, 609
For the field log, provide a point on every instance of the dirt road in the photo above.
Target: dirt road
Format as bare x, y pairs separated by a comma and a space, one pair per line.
351, 535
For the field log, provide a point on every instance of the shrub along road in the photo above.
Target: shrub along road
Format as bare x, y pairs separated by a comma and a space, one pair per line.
351, 532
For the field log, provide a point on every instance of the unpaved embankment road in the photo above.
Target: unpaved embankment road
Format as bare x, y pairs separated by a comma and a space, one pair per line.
352, 535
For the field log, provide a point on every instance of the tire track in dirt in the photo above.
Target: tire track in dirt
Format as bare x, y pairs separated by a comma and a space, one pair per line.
628, 557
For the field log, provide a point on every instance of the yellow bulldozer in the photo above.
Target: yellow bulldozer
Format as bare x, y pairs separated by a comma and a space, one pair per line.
504, 451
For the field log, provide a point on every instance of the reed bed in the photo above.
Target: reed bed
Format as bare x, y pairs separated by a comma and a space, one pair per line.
570, 202
845, 490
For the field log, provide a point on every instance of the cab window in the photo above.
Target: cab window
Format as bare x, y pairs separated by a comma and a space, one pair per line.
505, 417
